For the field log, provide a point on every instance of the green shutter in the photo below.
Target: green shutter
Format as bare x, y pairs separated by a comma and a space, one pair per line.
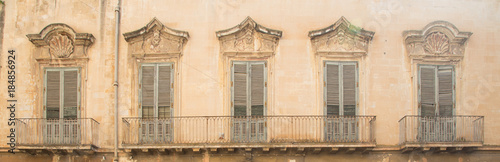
70, 94
240, 89
147, 88
332, 89
427, 90
53, 93
445, 77
164, 89
257, 89
349, 89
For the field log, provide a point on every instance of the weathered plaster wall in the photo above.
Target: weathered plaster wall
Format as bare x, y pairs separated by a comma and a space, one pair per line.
386, 89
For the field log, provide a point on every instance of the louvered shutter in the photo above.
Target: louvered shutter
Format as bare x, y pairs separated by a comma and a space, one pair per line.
257, 89
53, 94
240, 89
332, 89
70, 94
427, 91
349, 87
164, 89
445, 76
147, 88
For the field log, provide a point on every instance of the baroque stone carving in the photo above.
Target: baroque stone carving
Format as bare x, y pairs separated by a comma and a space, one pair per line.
60, 41
438, 41
249, 37
341, 37
60, 46
156, 40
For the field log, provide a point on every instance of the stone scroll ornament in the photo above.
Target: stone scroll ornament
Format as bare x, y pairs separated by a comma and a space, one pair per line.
249, 37
438, 41
341, 38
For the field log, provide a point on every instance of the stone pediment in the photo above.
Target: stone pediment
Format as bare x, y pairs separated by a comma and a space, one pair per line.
438, 41
60, 41
156, 39
248, 37
341, 38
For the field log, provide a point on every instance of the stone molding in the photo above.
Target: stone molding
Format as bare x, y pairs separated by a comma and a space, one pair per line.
60, 42
249, 37
156, 40
341, 39
439, 41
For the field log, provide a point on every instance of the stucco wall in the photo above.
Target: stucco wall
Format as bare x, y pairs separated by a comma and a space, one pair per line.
386, 88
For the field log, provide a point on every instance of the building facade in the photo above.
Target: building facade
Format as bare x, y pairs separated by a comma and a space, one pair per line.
240, 80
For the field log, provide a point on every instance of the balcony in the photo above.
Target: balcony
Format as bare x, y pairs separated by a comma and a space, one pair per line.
263, 132
57, 135
443, 133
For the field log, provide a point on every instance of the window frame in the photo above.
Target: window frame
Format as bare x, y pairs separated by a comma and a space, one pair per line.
61, 91
248, 87
156, 72
436, 88
341, 88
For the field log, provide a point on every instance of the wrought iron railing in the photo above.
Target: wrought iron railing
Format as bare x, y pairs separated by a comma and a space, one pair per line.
440, 129
248, 129
57, 132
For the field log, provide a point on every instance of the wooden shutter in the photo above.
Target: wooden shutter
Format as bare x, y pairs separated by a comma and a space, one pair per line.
257, 89
332, 89
445, 77
70, 94
240, 89
349, 88
147, 88
427, 91
164, 89
53, 94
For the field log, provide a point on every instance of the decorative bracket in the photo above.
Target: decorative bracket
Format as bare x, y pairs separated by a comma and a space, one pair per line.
438, 41
341, 39
60, 41
156, 40
248, 37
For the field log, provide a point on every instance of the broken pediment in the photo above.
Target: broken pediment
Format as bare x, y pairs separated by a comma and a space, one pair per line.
156, 39
341, 38
248, 37
438, 41
60, 41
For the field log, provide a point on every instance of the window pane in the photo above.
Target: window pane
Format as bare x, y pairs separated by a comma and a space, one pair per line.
164, 89
240, 89
147, 91
349, 85
257, 89
53, 94
332, 89
445, 90
427, 91
70, 94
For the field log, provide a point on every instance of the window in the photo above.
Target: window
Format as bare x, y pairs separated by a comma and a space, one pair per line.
249, 101
62, 87
249, 88
341, 88
156, 90
341, 101
436, 90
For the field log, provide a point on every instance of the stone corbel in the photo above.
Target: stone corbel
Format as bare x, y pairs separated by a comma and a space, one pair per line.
156, 41
439, 41
249, 39
341, 39
59, 42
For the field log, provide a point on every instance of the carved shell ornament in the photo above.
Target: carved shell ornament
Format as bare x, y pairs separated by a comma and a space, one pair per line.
60, 46
437, 43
